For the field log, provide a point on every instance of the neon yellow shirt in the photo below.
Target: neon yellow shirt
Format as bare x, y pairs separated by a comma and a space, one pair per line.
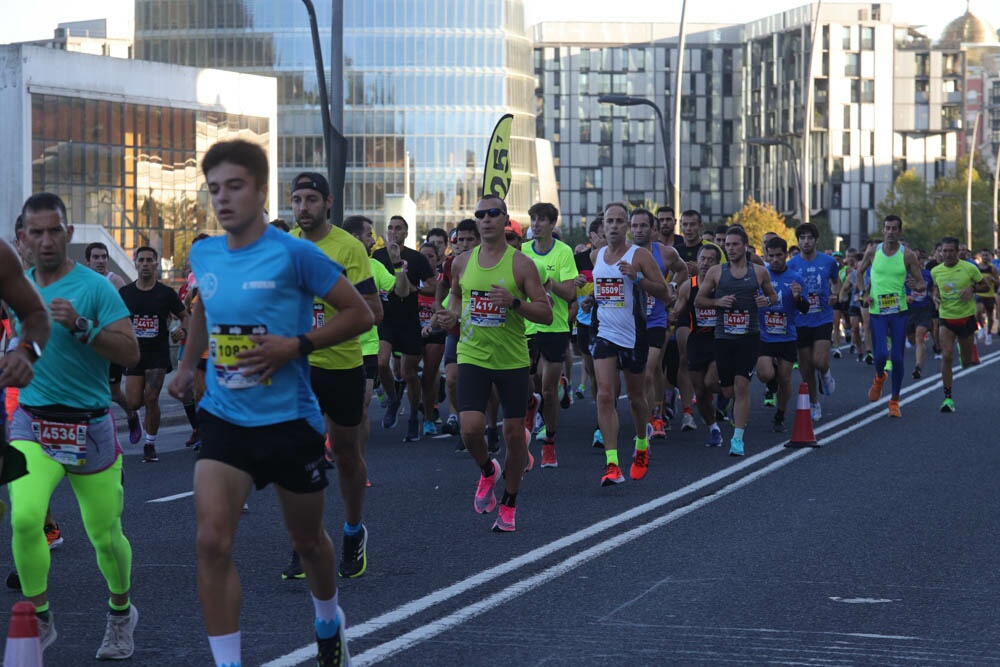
559, 265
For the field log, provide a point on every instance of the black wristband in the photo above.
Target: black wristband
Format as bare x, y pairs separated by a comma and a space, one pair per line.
515, 304
306, 346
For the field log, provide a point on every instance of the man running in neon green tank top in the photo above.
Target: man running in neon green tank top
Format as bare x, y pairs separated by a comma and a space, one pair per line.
494, 289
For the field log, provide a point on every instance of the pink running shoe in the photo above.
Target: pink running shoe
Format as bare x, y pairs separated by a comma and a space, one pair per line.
486, 499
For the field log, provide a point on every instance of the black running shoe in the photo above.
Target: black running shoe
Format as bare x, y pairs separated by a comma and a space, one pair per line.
294, 568
412, 430
917, 373
14, 580
333, 652
870, 359
149, 454
354, 559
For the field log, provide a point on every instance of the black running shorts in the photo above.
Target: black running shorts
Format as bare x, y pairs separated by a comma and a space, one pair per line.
475, 386
341, 393
735, 357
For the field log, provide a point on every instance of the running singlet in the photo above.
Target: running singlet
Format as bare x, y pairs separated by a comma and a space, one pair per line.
384, 283
888, 277
491, 336
620, 302
350, 254
922, 299
656, 311
777, 322
950, 281
151, 311
266, 287
702, 320
741, 319
70, 373
559, 265
816, 275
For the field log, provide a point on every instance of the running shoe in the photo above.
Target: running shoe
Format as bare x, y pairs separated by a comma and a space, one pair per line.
854, 348
505, 520
46, 630
565, 395
13, 580
640, 464
736, 446
412, 429
770, 399
778, 423
149, 454
688, 423
451, 426
714, 437
869, 358
380, 394
134, 428
539, 425
825, 383
598, 439
894, 409
430, 428
815, 411
580, 392
836, 353
391, 416
948, 405
540, 434
989, 338
332, 651
659, 428
118, 643
194, 440
668, 404
354, 554
917, 373
549, 455
294, 568
875, 392
53, 535
612, 475
532, 412
486, 499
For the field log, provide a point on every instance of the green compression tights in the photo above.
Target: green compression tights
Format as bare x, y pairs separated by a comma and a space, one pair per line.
100, 496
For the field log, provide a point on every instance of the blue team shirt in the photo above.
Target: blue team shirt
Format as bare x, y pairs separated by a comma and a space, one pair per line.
777, 322
816, 275
266, 287
69, 372
922, 299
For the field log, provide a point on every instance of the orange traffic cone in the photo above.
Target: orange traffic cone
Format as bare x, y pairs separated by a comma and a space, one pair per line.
23, 648
802, 432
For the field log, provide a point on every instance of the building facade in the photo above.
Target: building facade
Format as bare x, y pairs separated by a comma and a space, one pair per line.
424, 84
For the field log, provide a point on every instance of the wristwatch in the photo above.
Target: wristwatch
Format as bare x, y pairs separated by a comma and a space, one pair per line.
81, 328
33, 349
306, 346
515, 304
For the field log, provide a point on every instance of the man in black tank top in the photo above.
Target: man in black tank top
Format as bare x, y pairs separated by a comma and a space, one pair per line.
737, 289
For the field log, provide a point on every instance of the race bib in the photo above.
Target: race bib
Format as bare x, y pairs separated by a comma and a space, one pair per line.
319, 315
146, 326
814, 304
888, 304
225, 342
735, 322
650, 304
705, 317
775, 322
610, 292
484, 313
426, 312
64, 442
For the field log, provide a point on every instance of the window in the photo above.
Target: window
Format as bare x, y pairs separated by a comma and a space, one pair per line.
867, 90
852, 64
837, 172
847, 116
835, 196
867, 38
846, 38
845, 144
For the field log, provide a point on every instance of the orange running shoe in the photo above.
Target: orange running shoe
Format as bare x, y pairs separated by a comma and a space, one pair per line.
659, 427
612, 475
53, 535
640, 464
894, 409
875, 392
549, 454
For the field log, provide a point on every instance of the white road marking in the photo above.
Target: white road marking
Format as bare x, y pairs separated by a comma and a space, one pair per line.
861, 600
176, 496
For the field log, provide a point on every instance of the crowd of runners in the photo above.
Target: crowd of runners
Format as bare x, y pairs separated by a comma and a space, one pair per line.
287, 337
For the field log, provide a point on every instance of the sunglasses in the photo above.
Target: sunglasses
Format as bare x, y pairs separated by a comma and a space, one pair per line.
492, 212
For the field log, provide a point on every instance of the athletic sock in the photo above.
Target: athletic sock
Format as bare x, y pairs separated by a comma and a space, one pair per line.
327, 624
488, 468
226, 649
641, 444
509, 499
738, 433
714, 426
352, 530
150, 439
550, 437
191, 410
119, 609
42, 611
611, 455
947, 392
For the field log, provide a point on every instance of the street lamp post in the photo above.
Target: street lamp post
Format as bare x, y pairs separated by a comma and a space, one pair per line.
631, 101
769, 141
968, 186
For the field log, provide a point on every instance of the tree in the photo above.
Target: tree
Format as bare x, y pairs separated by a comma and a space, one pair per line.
909, 199
758, 219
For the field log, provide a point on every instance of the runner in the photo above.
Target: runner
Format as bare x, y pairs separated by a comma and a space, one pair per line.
778, 337
955, 283
547, 343
986, 302
260, 422
62, 426
96, 255
434, 340
400, 327
669, 262
584, 313
337, 374
890, 263
623, 275
152, 305
920, 319
665, 225
700, 323
740, 288
494, 289
814, 328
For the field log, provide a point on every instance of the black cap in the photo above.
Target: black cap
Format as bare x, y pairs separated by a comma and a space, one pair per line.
311, 180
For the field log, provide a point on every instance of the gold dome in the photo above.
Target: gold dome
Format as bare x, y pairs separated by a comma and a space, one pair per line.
969, 29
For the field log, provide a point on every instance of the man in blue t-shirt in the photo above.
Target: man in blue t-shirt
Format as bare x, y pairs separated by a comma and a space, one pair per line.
821, 284
259, 420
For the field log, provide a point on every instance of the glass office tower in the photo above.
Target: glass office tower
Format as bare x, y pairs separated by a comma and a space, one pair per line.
424, 83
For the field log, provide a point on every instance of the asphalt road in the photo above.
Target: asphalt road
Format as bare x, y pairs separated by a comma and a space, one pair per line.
877, 548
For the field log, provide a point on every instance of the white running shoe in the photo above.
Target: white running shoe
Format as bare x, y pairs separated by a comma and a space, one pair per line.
817, 411
688, 423
118, 643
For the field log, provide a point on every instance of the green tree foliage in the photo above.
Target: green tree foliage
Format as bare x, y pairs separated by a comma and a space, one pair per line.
758, 219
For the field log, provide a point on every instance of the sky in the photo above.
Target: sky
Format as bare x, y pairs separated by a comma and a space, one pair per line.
24, 21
